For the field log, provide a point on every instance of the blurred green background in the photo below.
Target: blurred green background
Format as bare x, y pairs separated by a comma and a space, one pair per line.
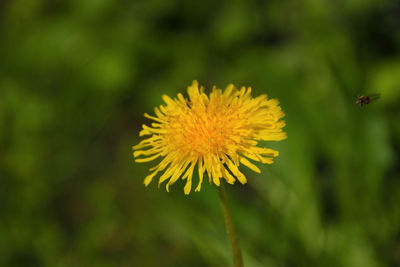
77, 76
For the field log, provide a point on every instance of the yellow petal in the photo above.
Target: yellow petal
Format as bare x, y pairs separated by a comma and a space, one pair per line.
148, 178
235, 171
189, 174
147, 159
247, 163
168, 100
201, 173
154, 118
228, 177
178, 172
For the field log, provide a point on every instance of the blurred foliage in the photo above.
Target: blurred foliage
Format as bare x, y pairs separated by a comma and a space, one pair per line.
77, 76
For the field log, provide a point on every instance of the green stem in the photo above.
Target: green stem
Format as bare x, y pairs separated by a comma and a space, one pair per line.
230, 228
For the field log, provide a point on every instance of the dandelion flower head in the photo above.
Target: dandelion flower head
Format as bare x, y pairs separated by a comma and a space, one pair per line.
216, 132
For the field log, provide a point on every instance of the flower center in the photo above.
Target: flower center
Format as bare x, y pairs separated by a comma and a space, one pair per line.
202, 133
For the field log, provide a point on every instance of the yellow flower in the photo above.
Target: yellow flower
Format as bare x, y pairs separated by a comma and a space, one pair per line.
216, 132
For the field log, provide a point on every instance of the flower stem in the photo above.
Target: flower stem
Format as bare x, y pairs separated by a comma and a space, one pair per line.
230, 228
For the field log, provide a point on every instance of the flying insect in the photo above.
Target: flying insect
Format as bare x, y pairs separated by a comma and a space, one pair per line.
365, 100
